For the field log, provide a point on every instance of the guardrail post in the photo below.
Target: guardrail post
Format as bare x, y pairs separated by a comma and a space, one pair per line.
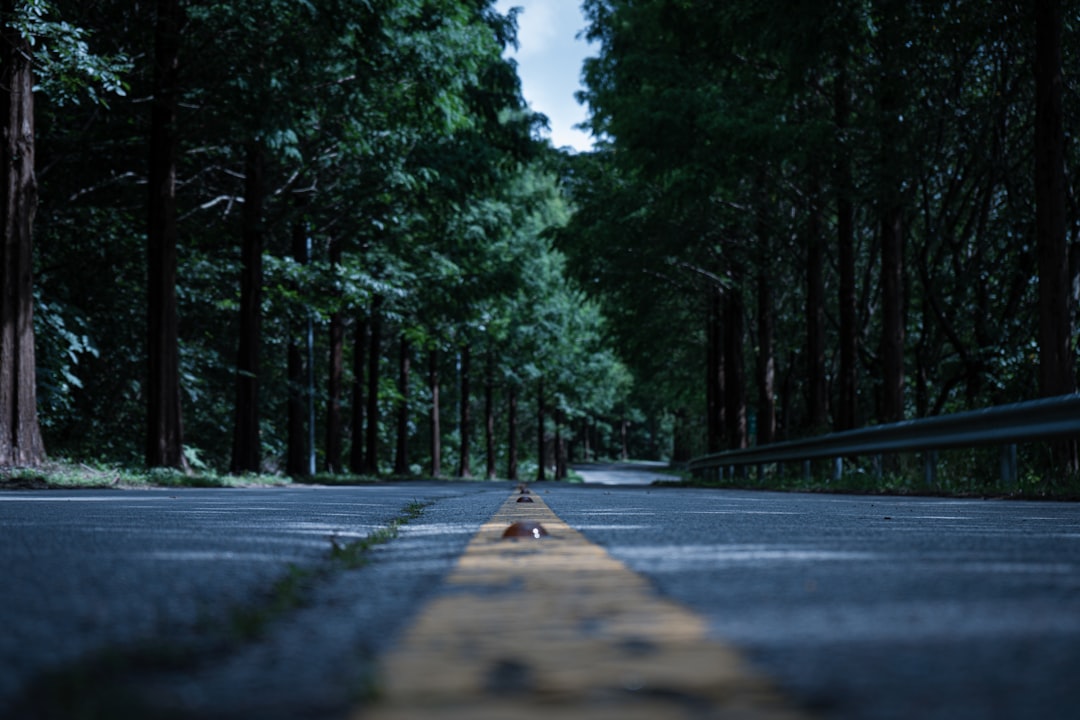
879, 468
930, 468
1009, 471
838, 469
806, 470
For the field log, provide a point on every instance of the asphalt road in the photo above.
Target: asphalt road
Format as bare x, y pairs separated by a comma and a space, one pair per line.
857, 607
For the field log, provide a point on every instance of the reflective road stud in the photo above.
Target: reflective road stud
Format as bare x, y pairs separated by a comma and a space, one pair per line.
554, 627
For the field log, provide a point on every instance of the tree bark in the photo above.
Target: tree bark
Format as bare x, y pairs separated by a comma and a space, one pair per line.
489, 416
296, 460
371, 453
401, 456
333, 394
436, 413
714, 362
892, 308
540, 413
847, 403
465, 431
334, 379
890, 104
164, 427
246, 454
512, 433
817, 387
20, 434
356, 451
735, 368
1056, 371
766, 361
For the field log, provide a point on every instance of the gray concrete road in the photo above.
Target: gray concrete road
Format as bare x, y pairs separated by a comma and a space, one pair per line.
858, 607
867, 607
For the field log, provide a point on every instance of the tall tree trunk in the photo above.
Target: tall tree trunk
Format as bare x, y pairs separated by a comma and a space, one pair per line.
512, 433
296, 460
892, 309
371, 453
20, 434
401, 456
624, 444
766, 361
847, 403
714, 362
356, 451
334, 379
735, 367
890, 209
246, 442
560, 457
540, 413
587, 444
489, 415
1057, 372
436, 413
464, 424
164, 427
817, 386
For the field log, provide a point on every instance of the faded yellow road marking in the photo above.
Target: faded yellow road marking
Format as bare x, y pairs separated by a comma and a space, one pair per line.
557, 628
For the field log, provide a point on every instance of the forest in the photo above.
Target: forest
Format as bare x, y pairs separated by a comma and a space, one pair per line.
327, 237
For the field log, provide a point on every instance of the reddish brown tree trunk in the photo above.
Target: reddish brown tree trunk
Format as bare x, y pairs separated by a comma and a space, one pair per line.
735, 368
489, 415
847, 403
20, 434
766, 361
356, 451
436, 413
512, 433
465, 431
334, 379
246, 443
714, 368
333, 394
401, 455
1057, 372
164, 427
371, 454
297, 458
817, 387
540, 413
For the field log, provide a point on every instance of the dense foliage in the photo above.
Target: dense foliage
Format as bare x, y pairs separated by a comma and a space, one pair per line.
362, 215
273, 230
807, 216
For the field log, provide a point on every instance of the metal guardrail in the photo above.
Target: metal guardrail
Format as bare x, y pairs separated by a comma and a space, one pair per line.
1005, 426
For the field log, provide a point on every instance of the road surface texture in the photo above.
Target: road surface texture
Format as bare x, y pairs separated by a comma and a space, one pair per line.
793, 604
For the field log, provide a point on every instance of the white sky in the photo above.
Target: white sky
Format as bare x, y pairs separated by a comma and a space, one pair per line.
549, 59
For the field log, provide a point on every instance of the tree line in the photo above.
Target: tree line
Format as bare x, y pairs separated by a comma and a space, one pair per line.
815, 216
292, 236
245, 234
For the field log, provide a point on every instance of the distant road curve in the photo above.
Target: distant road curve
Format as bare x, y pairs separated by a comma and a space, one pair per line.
624, 473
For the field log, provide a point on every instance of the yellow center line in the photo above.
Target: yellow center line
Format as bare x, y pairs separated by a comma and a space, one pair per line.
525, 628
